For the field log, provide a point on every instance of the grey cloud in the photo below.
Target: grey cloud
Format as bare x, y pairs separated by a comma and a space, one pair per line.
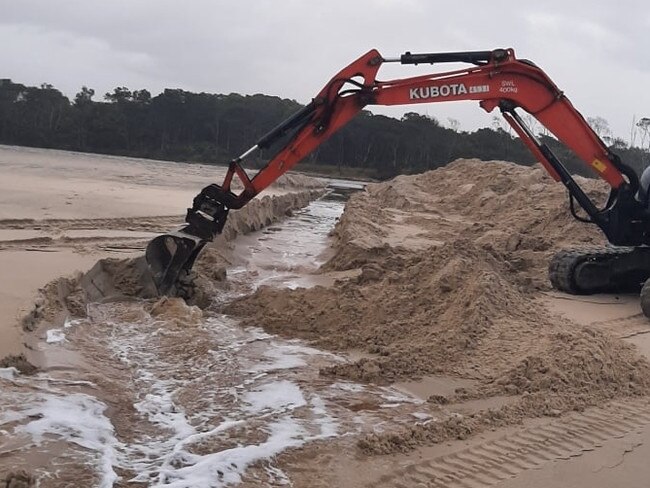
595, 51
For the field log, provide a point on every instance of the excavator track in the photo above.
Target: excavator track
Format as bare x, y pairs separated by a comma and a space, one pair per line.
644, 299
600, 270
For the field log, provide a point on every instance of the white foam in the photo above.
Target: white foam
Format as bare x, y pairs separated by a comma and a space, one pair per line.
421, 415
328, 426
162, 458
8, 373
226, 467
396, 397
281, 355
277, 476
70, 322
168, 458
55, 335
277, 395
160, 409
348, 387
79, 419
64, 381
6, 417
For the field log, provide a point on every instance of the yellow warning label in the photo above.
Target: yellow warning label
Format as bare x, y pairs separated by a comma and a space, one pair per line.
599, 165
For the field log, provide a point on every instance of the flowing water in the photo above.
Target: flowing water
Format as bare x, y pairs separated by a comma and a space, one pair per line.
131, 396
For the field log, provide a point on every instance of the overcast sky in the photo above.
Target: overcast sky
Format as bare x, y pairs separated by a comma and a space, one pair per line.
596, 51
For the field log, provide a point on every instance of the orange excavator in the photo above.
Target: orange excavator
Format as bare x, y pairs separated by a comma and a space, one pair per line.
496, 79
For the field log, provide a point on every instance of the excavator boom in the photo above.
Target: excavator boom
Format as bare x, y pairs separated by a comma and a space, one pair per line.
495, 79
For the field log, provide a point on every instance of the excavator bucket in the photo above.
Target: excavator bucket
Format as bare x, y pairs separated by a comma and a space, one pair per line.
170, 257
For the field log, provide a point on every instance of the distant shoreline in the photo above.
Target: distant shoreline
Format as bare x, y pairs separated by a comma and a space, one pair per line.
309, 169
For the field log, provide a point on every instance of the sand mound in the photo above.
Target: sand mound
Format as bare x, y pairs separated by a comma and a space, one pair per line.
515, 210
117, 278
453, 309
297, 181
449, 260
18, 361
56, 300
573, 371
587, 362
420, 294
176, 311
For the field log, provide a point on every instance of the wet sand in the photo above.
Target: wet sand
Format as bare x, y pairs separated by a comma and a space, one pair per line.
25, 272
157, 392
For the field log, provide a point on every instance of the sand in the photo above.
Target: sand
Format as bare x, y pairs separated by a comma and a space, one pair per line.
451, 284
60, 212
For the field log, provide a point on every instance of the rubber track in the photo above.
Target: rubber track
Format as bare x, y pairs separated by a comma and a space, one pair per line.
494, 461
564, 263
644, 299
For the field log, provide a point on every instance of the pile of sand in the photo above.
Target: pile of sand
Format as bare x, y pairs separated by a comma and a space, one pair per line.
297, 181
18, 361
449, 297
516, 210
456, 294
175, 312
454, 309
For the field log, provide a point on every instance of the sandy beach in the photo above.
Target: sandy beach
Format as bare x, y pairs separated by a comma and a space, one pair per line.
62, 211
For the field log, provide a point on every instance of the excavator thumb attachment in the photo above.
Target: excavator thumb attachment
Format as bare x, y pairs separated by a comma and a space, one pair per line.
170, 256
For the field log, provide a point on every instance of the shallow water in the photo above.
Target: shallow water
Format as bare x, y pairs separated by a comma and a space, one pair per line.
186, 399
287, 255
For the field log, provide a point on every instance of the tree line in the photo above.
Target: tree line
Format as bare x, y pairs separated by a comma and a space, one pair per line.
214, 128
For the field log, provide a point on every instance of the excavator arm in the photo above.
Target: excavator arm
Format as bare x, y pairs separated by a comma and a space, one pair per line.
496, 79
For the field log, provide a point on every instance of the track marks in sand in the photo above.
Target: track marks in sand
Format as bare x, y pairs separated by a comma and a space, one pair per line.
125, 223
106, 234
625, 326
492, 462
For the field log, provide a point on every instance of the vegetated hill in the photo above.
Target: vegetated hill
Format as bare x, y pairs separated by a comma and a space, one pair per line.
214, 128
